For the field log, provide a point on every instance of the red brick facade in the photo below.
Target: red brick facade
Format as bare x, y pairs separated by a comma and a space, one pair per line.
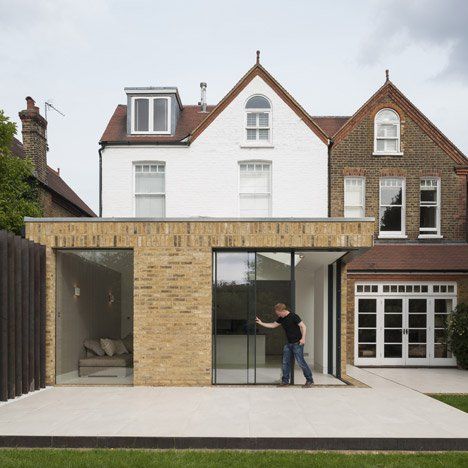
353, 155
426, 152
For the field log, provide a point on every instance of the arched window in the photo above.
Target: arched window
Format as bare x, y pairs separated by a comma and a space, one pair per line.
258, 119
387, 132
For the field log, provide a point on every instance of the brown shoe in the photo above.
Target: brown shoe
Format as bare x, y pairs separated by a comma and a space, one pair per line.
309, 384
283, 384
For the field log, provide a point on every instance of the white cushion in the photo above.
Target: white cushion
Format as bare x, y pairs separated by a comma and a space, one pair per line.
108, 346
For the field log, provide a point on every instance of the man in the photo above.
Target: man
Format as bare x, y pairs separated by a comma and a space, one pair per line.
295, 333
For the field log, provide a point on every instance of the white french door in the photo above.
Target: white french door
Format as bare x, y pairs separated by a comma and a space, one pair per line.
402, 329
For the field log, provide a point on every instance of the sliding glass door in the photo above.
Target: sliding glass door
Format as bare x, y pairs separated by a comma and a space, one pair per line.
247, 284
234, 318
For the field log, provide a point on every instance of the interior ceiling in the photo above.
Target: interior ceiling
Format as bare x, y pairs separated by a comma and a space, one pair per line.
310, 261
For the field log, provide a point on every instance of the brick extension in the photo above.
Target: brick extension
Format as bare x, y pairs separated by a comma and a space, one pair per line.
173, 281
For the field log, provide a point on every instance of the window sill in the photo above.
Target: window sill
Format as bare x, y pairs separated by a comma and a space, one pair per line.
393, 236
256, 145
430, 236
387, 153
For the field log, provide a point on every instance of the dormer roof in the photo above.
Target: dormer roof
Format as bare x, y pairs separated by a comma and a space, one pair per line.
154, 90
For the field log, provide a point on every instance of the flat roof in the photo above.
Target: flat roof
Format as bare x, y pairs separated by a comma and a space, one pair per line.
195, 219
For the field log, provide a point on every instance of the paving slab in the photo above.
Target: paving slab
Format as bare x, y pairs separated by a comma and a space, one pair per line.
385, 409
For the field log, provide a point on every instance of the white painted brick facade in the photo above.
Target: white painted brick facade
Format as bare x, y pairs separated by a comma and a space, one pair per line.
202, 179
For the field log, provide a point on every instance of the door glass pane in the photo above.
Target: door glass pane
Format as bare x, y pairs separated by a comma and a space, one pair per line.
392, 351
233, 317
273, 285
367, 328
417, 328
393, 331
442, 307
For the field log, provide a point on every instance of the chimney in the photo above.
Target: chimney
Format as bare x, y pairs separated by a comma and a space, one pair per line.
34, 137
203, 97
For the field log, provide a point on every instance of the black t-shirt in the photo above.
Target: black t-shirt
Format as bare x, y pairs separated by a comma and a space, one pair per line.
291, 327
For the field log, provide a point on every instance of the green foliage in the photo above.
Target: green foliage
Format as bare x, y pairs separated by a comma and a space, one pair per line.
457, 400
223, 458
18, 189
457, 334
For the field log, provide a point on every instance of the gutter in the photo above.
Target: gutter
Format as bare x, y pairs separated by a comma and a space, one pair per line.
144, 143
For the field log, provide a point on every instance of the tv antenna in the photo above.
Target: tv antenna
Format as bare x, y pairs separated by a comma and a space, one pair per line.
49, 105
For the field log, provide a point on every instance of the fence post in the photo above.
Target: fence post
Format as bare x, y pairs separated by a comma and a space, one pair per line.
3, 317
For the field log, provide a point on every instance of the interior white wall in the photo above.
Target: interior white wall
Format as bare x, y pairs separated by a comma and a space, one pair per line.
305, 307
320, 318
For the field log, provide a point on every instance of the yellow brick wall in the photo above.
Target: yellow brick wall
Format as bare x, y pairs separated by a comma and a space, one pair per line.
173, 276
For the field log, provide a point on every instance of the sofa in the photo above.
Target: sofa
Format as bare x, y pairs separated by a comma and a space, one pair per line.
97, 363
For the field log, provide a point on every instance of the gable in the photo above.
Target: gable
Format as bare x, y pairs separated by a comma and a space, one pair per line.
389, 92
258, 71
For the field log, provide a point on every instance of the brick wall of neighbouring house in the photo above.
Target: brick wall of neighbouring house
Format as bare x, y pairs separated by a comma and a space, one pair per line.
421, 157
173, 281
462, 290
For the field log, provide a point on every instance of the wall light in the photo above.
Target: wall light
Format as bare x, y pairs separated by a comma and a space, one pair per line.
77, 291
110, 297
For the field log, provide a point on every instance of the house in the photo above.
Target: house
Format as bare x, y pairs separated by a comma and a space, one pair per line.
56, 197
390, 162
212, 214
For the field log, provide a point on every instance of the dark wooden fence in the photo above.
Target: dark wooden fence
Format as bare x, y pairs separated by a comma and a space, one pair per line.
22, 316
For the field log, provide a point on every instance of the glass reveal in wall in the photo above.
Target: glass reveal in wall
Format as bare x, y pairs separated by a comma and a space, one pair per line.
94, 322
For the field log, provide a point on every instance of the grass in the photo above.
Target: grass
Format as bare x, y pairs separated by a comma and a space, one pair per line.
189, 458
457, 400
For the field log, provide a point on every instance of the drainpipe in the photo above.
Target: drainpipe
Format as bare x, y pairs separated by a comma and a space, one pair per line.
100, 178
330, 144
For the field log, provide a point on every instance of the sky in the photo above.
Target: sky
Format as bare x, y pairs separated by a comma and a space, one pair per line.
330, 55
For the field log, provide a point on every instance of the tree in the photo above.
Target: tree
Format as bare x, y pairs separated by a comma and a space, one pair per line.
18, 187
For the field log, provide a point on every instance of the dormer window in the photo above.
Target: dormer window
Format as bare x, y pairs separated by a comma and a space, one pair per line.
258, 120
387, 132
151, 115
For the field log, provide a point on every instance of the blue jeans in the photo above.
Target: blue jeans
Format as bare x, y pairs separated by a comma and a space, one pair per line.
297, 350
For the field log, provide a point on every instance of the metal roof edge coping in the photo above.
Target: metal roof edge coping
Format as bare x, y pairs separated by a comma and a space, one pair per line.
195, 219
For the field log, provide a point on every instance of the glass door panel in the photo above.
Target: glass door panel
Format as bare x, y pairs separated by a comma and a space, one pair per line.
416, 331
442, 307
367, 328
272, 285
234, 317
393, 331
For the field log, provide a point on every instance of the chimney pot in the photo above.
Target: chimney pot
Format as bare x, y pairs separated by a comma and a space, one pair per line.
203, 96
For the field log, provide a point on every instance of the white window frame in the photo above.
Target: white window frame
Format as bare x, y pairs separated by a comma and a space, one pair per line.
270, 193
151, 130
397, 138
156, 194
362, 180
438, 208
394, 234
434, 290
258, 142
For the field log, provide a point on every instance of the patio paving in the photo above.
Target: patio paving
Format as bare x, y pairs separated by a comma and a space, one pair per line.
433, 380
386, 409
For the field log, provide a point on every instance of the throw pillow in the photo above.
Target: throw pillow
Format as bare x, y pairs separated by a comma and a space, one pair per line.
128, 342
108, 346
120, 347
94, 346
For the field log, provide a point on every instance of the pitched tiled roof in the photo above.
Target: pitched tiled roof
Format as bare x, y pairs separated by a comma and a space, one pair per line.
190, 118
415, 257
56, 184
330, 124
388, 89
116, 130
